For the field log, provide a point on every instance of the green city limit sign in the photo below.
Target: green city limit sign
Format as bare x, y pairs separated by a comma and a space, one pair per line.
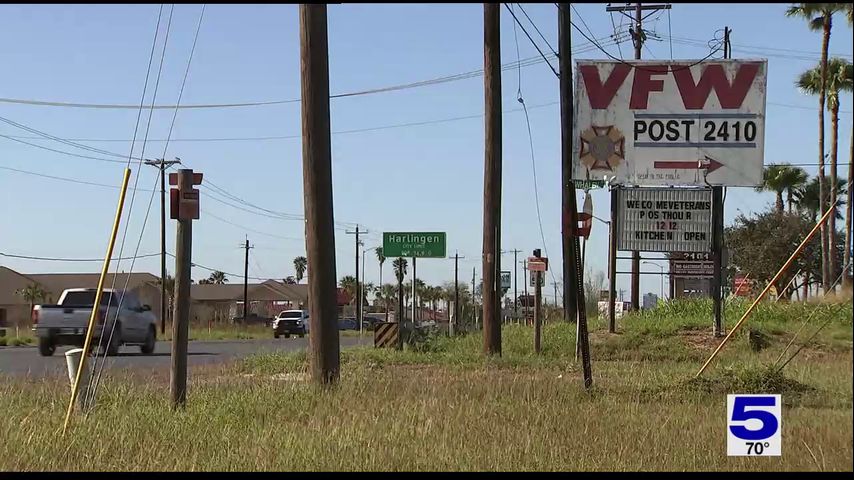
414, 244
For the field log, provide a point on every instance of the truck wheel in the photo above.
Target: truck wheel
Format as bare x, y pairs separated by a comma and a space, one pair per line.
275, 335
115, 342
147, 348
46, 347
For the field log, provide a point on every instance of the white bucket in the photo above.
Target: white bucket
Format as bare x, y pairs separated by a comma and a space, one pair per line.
72, 360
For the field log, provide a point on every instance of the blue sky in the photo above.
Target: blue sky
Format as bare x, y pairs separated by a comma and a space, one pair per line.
424, 178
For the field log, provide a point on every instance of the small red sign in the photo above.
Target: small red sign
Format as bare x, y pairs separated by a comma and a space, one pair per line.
538, 264
173, 179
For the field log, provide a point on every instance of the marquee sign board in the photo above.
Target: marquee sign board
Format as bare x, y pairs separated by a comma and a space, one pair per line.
655, 219
505, 280
692, 264
676, 123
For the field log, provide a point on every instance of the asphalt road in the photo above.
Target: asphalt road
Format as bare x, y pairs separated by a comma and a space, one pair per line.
26, 361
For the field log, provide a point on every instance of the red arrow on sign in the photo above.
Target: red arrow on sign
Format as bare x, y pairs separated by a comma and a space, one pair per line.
709, 164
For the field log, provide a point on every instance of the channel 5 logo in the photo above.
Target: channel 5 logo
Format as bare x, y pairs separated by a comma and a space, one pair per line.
754, 425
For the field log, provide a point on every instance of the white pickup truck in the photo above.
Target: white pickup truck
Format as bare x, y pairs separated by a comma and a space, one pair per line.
66, 322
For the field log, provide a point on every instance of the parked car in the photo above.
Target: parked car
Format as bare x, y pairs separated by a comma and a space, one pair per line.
291, 322
371, 322
253, 319
348, 323
67, 322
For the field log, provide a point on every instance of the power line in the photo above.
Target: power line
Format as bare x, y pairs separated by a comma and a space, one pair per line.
92, 388
614, 26
670, 33
72, 260
64, 179
251, 230
184, 81
537, 29
422, 83
684, 67
64, 141
293, 137
582, 21
531, 39
88, 157
521, 100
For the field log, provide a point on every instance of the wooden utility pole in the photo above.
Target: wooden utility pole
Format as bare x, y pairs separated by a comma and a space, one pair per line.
492, 178
317, 185
400, 310
516, 283
414, 292
570, 308
638, 40
575, 283
161, 165
473, 303
358, 298
538, 310
181, 317
454, 323
638, 37
525, 287
612, 262
246, 247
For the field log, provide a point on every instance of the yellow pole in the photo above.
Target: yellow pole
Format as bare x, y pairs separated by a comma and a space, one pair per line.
96, 307
768, 287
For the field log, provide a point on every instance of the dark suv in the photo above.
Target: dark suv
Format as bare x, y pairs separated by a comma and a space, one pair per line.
291, 322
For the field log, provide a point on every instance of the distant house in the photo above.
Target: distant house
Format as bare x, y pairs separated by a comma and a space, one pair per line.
221, 303
14, 310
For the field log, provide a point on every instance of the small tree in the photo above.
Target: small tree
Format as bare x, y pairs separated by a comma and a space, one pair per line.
300, 266
31, 294
761, 244
218, 278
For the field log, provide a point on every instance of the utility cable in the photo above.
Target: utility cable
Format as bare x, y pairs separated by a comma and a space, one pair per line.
531, 39
537, 29
98, 373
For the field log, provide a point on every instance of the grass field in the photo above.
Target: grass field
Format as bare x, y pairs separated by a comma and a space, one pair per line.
235, 332
197, 333
445, 407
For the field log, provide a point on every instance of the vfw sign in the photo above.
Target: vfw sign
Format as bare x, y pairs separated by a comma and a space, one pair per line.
671, 122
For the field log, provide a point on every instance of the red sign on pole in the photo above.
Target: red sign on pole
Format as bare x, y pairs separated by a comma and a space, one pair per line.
184, 204
742, 286
538, 264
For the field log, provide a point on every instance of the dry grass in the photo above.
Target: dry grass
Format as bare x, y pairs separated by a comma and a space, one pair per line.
446, 408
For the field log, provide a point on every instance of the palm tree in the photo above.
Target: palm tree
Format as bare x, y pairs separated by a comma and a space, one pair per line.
290, 280
381, 259
772, 181
839, 79
218, 278
819, 16
387, 294
807, 197
794, 178
31, 294
399, 265
348, 283
300, 265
